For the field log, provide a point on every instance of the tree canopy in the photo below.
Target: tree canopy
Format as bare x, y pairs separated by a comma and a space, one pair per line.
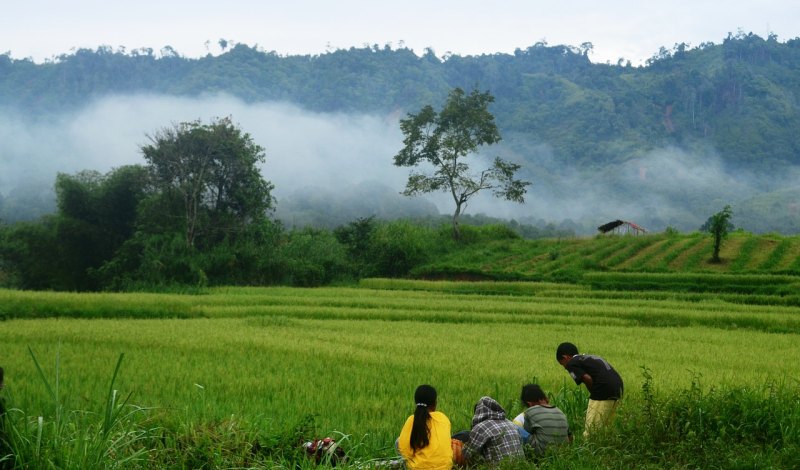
733, 95
719, 225
208, 175
558, 111
444, 140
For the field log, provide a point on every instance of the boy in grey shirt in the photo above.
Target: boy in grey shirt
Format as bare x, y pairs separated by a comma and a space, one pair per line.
546, 423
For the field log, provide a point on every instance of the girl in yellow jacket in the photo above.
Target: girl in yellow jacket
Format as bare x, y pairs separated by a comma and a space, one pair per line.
424, 441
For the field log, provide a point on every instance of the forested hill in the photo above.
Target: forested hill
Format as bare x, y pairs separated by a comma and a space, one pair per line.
665, 144
741, 97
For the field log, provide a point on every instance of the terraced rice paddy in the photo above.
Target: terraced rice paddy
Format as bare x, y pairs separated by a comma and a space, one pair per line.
352, 356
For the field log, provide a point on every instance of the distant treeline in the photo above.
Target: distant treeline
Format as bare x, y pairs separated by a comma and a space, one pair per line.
578, 129
739, 97
198, 214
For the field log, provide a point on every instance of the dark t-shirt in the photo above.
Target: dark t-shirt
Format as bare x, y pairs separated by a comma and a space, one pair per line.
606, 382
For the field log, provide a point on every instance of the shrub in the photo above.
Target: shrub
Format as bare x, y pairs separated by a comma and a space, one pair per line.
356, 236
29, 254
397, 247
473, 234
250, 258
65, 438
153, 261
314, 257
692, 428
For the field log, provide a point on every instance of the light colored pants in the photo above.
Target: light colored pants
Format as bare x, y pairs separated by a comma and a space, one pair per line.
598, 414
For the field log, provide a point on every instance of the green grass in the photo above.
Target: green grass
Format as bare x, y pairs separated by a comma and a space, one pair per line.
745, 254
640, 259
766, 284
775, 256
237, 377
568, 260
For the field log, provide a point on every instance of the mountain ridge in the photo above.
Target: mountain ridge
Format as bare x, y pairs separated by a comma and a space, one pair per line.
570, 121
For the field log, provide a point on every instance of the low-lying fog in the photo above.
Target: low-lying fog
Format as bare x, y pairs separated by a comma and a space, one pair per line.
345, 156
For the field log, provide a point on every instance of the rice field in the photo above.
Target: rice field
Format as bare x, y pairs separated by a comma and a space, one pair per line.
350, 357
567, 259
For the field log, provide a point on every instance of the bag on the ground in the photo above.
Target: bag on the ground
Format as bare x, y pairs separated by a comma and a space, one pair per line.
325, 450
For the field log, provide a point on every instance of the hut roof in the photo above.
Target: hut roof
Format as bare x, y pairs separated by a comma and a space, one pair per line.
614, 224
610, 226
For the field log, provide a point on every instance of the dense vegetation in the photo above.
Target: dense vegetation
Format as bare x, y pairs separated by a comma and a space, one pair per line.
152, 226
240, 377
574, 126
197, 215
738, 96
93, 244
60, 253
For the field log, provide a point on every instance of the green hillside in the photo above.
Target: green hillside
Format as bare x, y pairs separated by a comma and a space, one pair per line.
664, 144
738, 97
754, 259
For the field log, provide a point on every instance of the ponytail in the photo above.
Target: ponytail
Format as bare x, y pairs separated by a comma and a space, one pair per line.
425, 396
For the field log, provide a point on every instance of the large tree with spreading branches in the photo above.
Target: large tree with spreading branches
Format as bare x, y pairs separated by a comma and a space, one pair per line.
444, 140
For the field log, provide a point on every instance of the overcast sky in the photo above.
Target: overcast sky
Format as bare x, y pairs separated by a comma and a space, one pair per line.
632, 29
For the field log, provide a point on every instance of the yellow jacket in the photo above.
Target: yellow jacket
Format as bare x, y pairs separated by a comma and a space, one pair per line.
438, 455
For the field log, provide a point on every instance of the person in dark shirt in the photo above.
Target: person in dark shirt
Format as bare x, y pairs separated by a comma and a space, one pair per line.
603, 382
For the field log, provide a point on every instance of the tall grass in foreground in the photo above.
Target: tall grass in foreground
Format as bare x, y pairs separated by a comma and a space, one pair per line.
125, 436
697, 427
694, 427
73, 438
256, 371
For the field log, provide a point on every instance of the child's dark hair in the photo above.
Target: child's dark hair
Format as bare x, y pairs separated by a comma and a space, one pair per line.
425, 397
567, 349
532, 393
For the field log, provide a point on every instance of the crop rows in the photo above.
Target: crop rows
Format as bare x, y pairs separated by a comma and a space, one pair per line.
775, 285
567, 260
353, 355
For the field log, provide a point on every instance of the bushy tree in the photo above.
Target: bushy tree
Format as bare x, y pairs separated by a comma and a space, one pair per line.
29, 256
253, 257
205, 220
444, 140
207, 175
719, 225
356, 237
398, 246
96, 215
313, 257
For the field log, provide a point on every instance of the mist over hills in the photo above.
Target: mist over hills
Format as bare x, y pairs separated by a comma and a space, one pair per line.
662, 145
